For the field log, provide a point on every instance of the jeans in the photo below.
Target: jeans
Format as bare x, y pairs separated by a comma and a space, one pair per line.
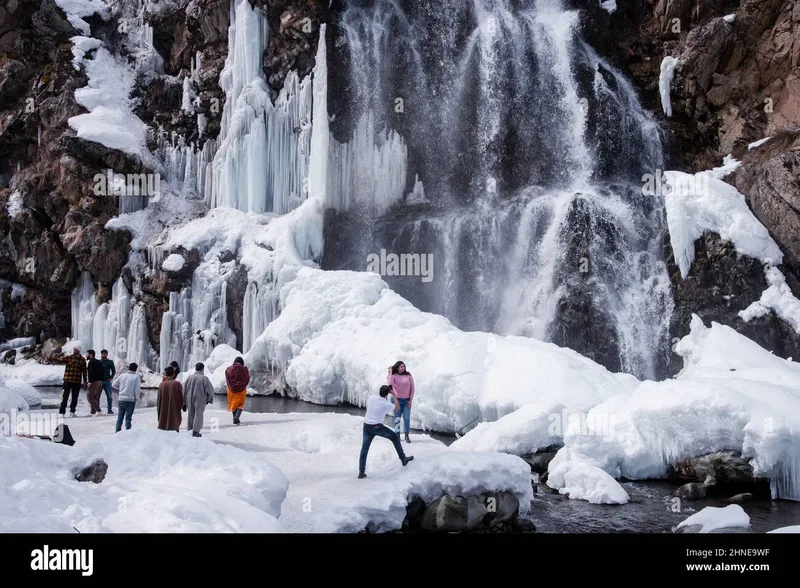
372, 431
405, 412
75, 389
124, 410
109, 395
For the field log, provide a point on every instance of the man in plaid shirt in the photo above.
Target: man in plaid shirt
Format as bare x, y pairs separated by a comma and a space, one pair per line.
75, 374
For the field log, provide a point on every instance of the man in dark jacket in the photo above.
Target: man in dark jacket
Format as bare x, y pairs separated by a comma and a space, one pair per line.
109, 371
95, 371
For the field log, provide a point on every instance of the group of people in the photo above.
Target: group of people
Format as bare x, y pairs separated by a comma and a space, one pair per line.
196, 392
192, 396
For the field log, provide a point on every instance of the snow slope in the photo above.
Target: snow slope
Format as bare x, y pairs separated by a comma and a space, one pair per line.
157, 481
226, 481
337, 332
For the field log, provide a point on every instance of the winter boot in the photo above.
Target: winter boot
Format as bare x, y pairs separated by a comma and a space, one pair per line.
196, 434
407, 459
361, 475
407, 439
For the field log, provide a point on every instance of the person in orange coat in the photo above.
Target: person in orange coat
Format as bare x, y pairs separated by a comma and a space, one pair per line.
237, 377
170, 402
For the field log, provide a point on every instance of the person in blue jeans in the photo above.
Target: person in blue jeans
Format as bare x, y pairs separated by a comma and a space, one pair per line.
129, 386
109, 371
402, 383
377, 409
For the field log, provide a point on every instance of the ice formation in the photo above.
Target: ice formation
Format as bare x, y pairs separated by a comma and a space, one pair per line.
665, 81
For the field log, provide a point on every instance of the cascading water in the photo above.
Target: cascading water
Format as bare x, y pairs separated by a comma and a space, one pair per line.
531, 150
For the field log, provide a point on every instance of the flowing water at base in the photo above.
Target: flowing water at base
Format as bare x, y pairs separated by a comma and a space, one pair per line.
649, 511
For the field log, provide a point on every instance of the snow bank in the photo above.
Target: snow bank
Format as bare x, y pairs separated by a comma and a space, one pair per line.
338, 331
26, 391
790, 529
777, 297
161, 481
665, 81
11, 400
701, 202
712, 519
110, 120
76, 10
33, 373
157, 482
173, 263
528, 429
731, 395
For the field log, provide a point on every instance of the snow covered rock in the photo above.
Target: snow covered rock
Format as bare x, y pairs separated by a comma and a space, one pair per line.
726, 467
173, 263
454, 514
728, 519
789, 529
96, 472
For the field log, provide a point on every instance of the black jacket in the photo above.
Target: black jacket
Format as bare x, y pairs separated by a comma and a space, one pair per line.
95, 370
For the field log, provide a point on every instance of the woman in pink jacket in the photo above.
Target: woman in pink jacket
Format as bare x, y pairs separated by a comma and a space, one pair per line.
402, 382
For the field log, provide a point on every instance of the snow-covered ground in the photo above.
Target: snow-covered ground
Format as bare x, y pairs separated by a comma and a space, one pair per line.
300, 469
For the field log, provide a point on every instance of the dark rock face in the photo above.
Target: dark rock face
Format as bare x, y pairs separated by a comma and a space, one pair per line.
96, 472
720, 284
770, 176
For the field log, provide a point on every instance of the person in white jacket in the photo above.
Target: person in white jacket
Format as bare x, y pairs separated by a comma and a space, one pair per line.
377, 409
130, 386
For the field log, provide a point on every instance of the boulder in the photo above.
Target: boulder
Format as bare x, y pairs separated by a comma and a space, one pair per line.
501, 507
52, 348
450, 514
414, 513
726, 467
523, 525
96, 472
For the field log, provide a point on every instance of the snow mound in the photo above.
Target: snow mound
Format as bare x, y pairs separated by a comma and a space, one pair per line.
173, 263
528, 429
700, 202
11, 400
758, 143
157, 482
731, 394
581, 480
712, 519
338, 330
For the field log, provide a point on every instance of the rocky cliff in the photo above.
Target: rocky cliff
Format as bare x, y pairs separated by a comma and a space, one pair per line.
52, 225
737, 81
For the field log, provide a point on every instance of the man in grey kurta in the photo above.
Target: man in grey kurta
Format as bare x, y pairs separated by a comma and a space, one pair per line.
197, 392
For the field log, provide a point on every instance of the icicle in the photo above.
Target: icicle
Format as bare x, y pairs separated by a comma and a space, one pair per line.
84, 307
320, 135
